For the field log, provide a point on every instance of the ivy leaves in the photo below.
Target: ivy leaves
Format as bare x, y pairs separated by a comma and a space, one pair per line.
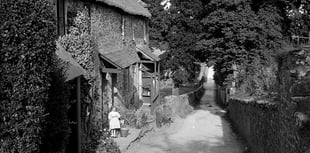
79, 42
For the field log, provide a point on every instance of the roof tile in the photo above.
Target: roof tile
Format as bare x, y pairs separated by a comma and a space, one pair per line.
147, 51
122, 57
73, 70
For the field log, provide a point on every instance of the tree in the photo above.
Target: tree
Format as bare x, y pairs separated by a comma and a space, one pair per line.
177, 30
297, 12
242, 33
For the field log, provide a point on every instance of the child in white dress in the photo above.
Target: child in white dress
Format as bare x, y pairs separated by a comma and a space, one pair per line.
114, 122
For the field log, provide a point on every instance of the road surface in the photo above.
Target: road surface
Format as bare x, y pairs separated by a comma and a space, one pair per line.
200, 132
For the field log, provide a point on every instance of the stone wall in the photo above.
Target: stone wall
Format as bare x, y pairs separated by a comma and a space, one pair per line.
106, 29
222, 96
138, 29
280, 125
127, 90
106, 26
177, 106
264, 127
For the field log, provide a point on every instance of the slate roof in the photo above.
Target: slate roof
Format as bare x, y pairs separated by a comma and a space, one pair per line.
130, 6
74, 69
121, 57
147, 51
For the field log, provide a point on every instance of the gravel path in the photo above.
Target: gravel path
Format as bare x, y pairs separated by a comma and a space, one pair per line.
200, 132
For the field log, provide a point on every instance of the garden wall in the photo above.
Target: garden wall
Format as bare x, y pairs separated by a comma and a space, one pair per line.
282, 124
177, 106
264, 127
222, 96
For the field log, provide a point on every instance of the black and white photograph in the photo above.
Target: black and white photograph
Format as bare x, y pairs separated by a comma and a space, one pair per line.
154, 76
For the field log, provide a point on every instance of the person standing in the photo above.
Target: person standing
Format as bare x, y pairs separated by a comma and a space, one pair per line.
114, 123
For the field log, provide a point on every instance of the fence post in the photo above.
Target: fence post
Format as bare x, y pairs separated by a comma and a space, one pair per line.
308, 37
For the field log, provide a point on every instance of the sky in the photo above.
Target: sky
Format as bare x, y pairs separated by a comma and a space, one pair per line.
166, 4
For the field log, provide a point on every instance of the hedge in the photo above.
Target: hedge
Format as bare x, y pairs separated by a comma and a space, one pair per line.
27, 68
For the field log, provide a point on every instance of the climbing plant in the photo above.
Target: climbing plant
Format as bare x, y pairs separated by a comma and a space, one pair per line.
80, 43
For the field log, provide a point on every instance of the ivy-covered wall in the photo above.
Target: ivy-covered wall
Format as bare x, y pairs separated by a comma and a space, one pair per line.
280, 125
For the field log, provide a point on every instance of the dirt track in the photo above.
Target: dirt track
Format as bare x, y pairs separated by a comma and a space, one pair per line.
200, 132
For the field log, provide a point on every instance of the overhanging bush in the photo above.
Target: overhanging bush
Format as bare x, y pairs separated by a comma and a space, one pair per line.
239, 34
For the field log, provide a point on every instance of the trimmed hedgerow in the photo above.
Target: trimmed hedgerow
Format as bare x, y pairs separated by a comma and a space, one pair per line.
56, 129
28, 72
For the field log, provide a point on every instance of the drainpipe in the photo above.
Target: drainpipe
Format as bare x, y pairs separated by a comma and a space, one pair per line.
79, 113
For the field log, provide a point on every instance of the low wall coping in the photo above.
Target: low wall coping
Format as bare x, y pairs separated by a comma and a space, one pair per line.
262, 103
243, 99
300, 98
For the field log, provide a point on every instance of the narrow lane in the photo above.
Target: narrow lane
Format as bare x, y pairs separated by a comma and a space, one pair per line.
200, 132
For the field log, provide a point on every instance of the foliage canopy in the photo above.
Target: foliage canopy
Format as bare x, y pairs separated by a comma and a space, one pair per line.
177, 30
236, 33
247, 33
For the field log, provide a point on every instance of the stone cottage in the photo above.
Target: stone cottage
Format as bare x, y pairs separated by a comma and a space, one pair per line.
127, 72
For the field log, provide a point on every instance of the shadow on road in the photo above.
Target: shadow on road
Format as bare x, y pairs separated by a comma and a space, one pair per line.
202, 131
207, 101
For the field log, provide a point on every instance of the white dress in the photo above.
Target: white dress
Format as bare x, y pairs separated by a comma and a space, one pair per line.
114, 120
